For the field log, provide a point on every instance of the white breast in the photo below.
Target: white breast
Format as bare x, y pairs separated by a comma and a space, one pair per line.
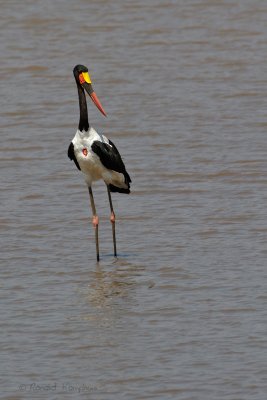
89, 162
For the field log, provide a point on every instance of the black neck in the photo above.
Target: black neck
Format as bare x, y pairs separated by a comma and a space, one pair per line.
83, 123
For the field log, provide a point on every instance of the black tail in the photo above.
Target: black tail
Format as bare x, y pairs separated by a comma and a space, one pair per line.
113, 189
117, 189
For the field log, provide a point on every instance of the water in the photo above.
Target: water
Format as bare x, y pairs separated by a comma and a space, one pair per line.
182, 313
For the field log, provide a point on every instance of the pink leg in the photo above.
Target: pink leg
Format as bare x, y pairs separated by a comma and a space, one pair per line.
95, 221
112, 220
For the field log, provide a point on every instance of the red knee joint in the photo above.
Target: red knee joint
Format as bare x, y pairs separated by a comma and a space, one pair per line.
95, 221
112, 217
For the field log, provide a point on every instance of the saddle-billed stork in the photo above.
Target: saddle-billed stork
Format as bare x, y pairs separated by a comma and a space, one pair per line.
95, 155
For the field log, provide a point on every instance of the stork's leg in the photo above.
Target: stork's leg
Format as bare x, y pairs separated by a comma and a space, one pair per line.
95, 221
112, 220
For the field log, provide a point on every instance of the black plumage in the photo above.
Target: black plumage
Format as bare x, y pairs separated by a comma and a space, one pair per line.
111, 159
72, 156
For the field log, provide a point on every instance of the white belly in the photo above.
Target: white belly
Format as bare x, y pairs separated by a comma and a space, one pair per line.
90, 163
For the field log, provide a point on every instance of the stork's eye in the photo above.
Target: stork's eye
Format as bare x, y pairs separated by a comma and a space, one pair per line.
85, 152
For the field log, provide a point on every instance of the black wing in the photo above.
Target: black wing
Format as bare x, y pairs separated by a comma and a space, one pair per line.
110, 158
71, 155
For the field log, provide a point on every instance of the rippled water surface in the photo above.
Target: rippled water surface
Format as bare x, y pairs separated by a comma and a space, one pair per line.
181, 314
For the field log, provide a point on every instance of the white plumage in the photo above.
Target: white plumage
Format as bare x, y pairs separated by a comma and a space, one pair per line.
90, 162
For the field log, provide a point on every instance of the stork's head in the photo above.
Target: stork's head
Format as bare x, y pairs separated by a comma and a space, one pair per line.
83, 79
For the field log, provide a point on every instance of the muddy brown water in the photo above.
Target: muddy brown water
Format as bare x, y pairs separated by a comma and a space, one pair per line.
181, 314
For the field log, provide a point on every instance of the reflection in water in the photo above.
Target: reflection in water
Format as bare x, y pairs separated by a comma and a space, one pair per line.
111, 291
106, 287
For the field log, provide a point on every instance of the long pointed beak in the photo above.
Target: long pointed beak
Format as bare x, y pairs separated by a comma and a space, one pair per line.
97, 103
89, 89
